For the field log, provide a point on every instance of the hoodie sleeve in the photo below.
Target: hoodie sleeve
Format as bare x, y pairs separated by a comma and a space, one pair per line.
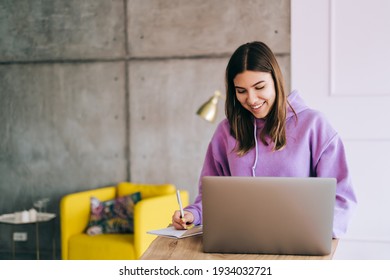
215, 164
332, 163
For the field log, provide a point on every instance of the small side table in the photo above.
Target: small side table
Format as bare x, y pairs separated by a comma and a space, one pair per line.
41, 218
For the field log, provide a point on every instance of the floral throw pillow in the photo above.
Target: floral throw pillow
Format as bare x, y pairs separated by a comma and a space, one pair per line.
112, 216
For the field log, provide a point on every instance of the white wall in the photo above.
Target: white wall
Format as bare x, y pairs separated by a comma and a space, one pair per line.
340, 62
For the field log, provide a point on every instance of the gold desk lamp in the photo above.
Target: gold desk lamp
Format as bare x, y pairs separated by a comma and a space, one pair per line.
208, 110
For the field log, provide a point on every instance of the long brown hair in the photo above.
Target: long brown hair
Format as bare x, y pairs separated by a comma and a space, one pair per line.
255, 56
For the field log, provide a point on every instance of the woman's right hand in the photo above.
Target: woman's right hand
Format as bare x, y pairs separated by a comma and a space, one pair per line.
182, 223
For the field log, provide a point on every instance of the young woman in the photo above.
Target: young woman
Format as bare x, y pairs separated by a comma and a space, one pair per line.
269, 133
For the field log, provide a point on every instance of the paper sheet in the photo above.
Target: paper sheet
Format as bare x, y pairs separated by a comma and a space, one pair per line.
176, 233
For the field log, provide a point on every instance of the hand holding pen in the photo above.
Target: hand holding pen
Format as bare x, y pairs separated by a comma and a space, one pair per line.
182, 219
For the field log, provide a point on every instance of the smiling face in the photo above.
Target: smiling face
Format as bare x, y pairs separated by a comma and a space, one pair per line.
255, 91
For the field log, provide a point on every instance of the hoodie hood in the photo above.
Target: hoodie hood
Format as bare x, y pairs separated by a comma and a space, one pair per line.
296, 102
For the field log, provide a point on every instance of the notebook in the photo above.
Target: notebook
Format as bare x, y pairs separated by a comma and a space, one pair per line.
268, 215
171, 232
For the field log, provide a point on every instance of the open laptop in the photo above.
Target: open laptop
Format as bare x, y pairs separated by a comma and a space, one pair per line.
268, 215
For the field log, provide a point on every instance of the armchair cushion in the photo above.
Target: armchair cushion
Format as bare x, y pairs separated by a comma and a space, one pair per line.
112, 216
113, 246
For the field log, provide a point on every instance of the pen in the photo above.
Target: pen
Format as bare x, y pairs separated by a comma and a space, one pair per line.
186, 226
180, 204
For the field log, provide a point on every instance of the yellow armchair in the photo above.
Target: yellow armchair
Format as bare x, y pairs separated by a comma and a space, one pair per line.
152, 212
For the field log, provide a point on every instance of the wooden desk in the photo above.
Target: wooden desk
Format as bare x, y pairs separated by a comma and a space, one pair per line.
191, 248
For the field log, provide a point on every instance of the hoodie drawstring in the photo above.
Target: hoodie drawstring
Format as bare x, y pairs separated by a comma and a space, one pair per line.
256, 151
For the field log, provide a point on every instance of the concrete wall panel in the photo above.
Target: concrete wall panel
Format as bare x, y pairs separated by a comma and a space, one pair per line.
57, 29
197, 27
168, 140
62, 127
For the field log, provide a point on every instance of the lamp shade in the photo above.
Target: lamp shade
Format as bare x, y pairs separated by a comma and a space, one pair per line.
208, 110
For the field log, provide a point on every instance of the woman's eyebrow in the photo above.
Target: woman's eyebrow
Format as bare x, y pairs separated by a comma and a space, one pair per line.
259, 82
255, 84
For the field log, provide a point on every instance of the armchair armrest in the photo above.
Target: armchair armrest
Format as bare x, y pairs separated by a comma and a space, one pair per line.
75, 213
154, 213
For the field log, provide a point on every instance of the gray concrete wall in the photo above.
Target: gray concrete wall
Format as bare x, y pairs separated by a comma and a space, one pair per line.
95, 92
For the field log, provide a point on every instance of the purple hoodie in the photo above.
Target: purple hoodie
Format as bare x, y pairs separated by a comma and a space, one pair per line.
314, 149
